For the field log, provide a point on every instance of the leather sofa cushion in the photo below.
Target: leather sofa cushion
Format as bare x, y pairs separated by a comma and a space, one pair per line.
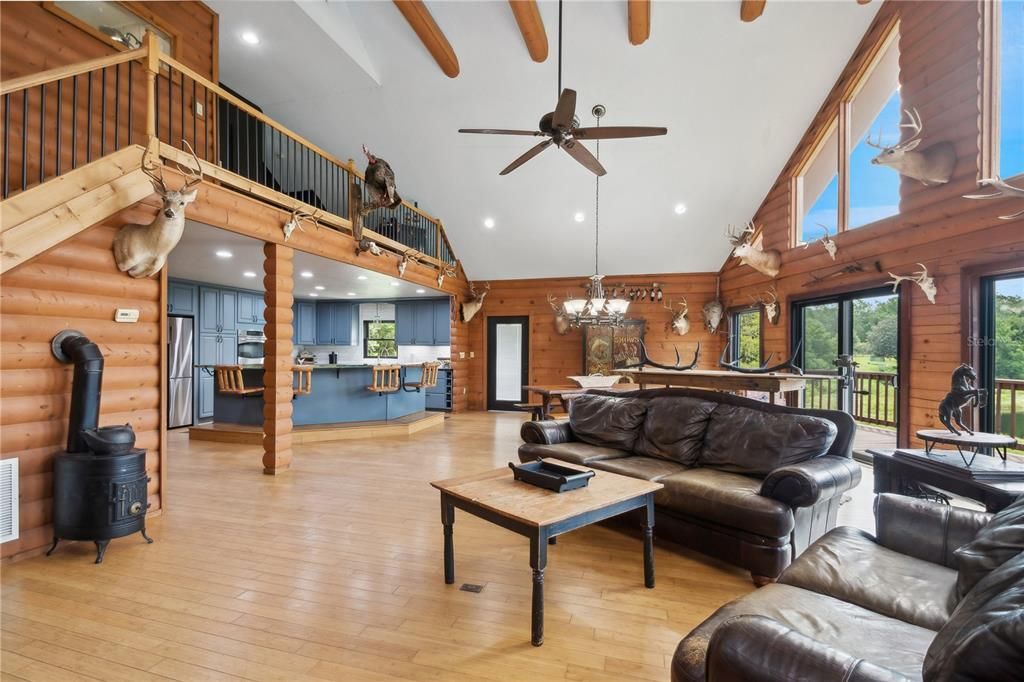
998, 541
606, 420
748, 441
575, 452
849, 565
674, 429
884, 641
726, 499
984, 639
647, 468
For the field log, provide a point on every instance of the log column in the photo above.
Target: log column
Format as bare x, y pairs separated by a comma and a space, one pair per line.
278, 284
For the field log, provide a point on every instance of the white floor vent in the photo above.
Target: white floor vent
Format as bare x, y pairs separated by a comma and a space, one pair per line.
8, 499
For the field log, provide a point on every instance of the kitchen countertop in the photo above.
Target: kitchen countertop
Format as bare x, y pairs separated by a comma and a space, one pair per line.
327, 366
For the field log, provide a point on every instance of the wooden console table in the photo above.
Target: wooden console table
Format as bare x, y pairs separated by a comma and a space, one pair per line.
723, 380
541, 515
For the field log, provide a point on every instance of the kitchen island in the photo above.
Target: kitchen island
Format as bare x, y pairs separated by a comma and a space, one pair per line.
338, 395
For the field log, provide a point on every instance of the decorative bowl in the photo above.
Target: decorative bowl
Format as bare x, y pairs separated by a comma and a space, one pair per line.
596, 380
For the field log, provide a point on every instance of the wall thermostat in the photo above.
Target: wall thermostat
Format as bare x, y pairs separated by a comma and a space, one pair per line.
126, 315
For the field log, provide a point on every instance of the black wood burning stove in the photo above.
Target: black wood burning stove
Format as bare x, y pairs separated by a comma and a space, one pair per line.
99, 483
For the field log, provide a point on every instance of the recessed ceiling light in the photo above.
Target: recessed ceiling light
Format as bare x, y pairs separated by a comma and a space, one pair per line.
363, 277
248, 273
394, 284
250, 37
680, 208
351, 293
489, 223
579, 217
421, 291
313, 294
318, 287
305, 273
223, 254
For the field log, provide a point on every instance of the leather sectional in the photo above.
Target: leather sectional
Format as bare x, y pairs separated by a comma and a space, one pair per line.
744, 481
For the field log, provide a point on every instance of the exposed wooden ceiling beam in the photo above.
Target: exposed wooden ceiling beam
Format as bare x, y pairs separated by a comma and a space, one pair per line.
639, 21
751, 9
430, 34
527, 16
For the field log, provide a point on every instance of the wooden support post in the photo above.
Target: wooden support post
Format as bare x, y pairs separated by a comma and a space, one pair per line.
152, 68
639, 21
278, 284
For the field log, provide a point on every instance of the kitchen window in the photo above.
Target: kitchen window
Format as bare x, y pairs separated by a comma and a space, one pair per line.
838, 188
379, 339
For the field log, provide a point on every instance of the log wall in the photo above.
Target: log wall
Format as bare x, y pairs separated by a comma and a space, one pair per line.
941, 70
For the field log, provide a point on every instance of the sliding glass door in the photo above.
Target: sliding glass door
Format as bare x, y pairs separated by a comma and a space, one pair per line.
1001, 370
854, 331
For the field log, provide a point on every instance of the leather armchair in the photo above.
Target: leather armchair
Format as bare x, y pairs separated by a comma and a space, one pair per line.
924, 530
759, 649
807, 483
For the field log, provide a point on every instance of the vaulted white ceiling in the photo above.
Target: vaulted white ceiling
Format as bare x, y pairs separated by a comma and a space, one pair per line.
735, 97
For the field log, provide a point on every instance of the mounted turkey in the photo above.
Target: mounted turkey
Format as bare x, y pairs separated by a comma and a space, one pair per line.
380, 191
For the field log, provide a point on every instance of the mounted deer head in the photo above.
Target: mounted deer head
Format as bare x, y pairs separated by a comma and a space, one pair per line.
142, 250
921, 279
766, 262
932, 166
1001, 190
561, 321
679, 323
714, 311
475, 302
296, 219
409, 256
769, 302
827, 242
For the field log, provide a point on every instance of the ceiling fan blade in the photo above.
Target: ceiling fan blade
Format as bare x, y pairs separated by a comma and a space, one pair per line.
564, 110
530, 153
498, 131
615, 132
577, 151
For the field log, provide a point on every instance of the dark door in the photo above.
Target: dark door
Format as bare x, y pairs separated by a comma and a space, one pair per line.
508, 361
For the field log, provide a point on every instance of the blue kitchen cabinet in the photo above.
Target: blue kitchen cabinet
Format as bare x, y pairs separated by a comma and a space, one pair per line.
405, 322
423, 334
442, 323
333, 323
181, 298
204, 402
218, 310
250, 308
304, 323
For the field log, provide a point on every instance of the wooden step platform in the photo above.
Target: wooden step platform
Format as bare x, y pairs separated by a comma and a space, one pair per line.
318, 433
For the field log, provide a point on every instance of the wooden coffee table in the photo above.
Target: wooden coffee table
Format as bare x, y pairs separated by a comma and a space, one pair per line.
542, 515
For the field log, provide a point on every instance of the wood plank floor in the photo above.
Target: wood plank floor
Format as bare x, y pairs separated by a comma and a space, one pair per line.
333, 571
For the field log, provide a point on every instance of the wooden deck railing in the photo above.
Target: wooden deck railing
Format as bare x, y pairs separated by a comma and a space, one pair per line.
1009, 407
60, 119
874, 398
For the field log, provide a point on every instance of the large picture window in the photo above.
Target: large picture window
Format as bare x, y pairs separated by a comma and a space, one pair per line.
1011, 88
379, 339
838, 187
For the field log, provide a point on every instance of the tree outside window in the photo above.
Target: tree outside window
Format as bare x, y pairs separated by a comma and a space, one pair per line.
379, 339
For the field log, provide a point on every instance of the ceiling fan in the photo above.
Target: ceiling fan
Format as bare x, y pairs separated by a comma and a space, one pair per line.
561, 127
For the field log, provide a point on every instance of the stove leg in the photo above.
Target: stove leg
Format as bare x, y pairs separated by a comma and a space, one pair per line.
149, 540
101, 549
53, 546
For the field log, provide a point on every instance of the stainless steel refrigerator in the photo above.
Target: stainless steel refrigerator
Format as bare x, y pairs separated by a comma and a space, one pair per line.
179, 364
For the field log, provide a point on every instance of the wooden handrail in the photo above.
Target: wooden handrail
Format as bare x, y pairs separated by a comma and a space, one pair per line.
62, 72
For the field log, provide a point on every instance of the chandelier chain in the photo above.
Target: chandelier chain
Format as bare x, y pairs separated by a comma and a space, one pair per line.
597, 206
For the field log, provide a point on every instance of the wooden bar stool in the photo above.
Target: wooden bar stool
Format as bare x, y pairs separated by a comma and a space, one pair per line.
386, 379
230, 380
304, 380
427, 380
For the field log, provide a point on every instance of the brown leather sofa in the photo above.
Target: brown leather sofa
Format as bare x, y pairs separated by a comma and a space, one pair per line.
744, 481
936, 594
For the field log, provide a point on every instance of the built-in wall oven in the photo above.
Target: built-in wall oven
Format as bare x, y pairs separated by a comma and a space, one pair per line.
250, 346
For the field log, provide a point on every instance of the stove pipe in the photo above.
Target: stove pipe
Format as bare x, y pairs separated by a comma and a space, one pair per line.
73, 346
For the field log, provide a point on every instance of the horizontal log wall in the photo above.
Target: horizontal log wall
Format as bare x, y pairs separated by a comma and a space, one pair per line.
76, 285
554, 357
941, 74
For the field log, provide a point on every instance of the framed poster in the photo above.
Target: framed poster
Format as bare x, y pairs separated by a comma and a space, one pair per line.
607, 348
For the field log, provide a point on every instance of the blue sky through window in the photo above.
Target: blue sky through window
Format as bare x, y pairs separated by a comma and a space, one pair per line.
875, 190
824, 211
1011, 66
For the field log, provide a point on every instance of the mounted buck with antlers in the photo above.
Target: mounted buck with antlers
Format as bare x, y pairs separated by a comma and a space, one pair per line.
1002, 189
921, 279
142, 250
830, 245
475, 302
932, 166
407, 257
679, 322
766, 262
562, 324
448, 271
771, 307
295, 221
